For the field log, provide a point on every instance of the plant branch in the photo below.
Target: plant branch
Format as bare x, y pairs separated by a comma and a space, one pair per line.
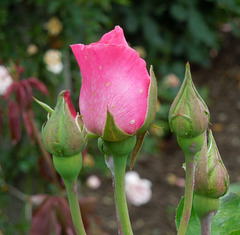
188, 196
71, 187
120, 196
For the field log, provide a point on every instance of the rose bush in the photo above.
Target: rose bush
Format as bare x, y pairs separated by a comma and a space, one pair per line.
118, 96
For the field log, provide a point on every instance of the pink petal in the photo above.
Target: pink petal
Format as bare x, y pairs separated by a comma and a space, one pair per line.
68, 100
114, 76
114, 37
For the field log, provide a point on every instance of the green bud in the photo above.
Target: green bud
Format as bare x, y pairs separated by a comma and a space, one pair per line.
64, 133
188, 115
119, 148
68, 167
191, 146
203, 206
211, 177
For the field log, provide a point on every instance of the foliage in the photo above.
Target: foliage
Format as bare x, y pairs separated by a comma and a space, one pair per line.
173, 32
168, 32
225, 222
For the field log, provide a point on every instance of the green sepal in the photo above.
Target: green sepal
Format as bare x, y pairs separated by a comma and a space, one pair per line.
45, 106
68, 167
111, 131
91, 136
119, 148
137, 147
205, 205
152, 103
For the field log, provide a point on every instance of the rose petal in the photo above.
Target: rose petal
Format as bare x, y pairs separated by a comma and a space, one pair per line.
114, 76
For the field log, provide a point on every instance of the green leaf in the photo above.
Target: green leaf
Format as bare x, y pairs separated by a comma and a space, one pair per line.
45, 106
137, 147
225, 222
194, 226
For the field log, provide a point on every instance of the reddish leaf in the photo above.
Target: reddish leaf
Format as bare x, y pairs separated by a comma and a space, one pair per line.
27, 124
53, 214
38, 85
44, 219
10, 90
1, 121
64, 215
28, 91
14, 121
23, 95
46, 173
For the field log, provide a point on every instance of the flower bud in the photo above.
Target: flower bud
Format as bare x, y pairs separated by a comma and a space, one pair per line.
64, 133
188, 115
211, 177
119, 148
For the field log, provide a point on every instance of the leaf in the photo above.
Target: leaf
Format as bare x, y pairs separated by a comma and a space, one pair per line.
45, 106
194, 226
225, 222
137, 147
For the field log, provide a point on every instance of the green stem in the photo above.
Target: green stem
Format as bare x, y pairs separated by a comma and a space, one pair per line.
188, 196
120, 196
71, 187
206, 223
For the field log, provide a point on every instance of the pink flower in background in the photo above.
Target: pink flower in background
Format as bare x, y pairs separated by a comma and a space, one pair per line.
138, 191
114, 78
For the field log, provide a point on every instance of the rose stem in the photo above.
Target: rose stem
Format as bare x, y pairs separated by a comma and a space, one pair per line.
188, 196
120, 196
206, 223
120, 230
72, 194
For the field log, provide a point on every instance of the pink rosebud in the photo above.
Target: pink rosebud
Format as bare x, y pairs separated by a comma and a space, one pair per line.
118, 96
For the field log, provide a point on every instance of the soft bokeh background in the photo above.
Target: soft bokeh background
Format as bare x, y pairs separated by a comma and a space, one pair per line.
34, 43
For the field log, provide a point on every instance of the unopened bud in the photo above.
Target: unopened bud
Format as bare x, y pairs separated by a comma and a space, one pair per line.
188, 115
64, 133
211, 177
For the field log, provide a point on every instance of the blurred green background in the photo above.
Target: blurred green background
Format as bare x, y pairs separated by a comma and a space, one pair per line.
36, 34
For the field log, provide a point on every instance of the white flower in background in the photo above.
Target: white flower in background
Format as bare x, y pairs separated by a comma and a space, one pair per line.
54, 26
32, 49
93, 182
53, 60
5, 80
138, 191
